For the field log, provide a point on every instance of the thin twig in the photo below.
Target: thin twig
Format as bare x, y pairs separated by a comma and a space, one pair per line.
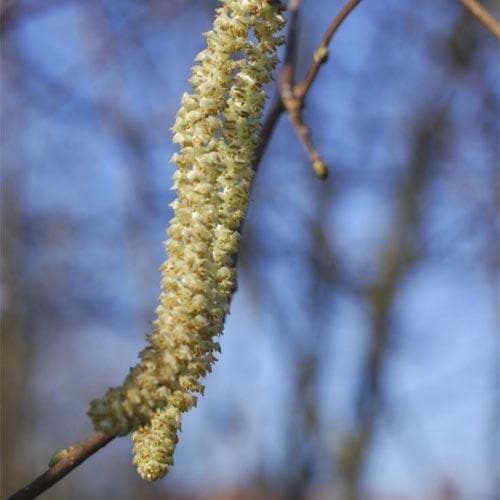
287, 79
483, 16
285, 85
267, 131
74, 456
304, 134
292, 104
293, 95
321, 53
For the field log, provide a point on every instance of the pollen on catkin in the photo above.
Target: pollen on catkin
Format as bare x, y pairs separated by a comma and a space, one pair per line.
217, 129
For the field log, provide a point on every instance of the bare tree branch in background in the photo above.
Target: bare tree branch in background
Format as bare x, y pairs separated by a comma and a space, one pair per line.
14, 11
309, 356
15, 349
483, 16
397, 259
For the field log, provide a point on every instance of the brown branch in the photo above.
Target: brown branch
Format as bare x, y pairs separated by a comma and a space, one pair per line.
290, 102
74, 455
285, 86
293, 95
483, 16
304, 134
267, 131
321, 53
77, 453
287, 78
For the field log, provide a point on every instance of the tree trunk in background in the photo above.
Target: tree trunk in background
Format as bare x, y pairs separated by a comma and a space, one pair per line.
14, 469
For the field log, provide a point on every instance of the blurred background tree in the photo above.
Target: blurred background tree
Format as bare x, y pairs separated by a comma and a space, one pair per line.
361, 356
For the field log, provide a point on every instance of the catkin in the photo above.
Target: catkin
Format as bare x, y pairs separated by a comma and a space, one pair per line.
217, 129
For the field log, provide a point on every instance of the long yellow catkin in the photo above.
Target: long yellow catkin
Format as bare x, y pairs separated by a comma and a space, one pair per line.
217, 130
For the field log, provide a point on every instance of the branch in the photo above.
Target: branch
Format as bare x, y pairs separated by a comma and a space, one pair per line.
288, 72
293, 96
74, 455
483, 16
304, 135
291, 103
77, 453
321, 54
